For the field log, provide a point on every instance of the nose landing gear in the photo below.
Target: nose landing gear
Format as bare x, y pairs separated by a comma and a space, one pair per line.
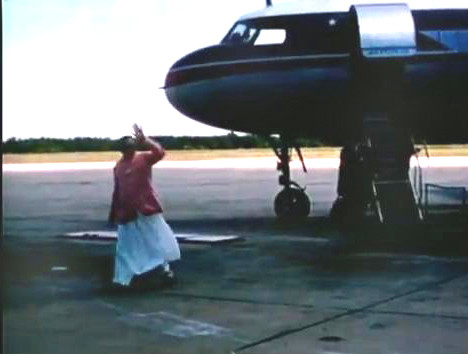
292, 202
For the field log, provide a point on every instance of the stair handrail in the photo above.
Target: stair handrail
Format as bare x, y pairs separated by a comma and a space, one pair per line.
417, 182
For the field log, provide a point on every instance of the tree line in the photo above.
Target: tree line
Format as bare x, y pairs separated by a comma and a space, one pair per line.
83, 144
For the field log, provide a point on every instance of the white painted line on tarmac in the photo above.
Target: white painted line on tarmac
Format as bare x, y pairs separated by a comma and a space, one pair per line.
52, 167
170, 323
234, 163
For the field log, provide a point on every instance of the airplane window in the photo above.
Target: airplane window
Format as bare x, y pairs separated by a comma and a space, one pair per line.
239, 30
240, 34
249, 34
455, 40
270, 36
442, 30
322, 34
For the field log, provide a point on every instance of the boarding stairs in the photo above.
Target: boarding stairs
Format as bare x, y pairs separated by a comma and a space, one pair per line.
396, 198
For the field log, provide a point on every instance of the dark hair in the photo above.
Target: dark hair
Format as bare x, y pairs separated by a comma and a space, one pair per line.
126, 143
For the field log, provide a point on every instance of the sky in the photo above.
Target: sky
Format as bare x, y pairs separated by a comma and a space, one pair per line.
75, 68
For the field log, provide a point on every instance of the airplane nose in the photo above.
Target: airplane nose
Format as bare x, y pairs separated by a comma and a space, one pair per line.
195, 65
172, 75
176, 70
178, 79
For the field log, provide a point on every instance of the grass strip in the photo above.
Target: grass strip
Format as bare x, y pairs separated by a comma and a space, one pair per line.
191, 155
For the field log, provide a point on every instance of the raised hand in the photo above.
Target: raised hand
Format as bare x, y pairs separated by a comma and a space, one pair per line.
138, 133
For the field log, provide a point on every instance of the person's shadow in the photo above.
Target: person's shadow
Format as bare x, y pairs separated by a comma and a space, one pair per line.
154, 280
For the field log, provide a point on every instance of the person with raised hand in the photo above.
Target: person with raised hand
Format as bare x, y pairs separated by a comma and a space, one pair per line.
145, 241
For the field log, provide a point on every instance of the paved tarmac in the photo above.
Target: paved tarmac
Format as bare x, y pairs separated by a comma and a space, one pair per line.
288, 288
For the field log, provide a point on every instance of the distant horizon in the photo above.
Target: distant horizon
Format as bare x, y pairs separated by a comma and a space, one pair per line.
118, 137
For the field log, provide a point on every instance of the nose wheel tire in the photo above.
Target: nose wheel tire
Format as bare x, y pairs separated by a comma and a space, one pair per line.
292, 203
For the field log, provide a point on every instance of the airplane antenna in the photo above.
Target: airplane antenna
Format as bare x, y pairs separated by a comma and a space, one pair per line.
268, 3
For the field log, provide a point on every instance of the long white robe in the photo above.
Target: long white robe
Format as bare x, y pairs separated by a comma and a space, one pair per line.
143, 245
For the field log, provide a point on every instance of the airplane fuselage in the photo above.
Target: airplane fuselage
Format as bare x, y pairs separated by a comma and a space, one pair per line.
310, 78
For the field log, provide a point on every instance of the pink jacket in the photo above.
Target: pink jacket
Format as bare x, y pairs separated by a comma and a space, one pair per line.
133, 191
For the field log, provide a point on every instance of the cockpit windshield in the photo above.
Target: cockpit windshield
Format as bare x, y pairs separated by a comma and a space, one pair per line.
240, 34
249, 34
318, 33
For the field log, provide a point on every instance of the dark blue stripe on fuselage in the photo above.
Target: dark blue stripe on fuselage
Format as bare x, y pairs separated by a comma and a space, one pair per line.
193, 73
198, 72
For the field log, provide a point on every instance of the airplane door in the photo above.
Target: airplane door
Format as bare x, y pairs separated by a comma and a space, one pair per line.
384, 31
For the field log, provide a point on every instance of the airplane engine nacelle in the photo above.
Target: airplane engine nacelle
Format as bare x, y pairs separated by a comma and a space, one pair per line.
383, 31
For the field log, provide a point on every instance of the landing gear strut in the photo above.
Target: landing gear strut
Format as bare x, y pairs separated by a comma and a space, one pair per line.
292, 202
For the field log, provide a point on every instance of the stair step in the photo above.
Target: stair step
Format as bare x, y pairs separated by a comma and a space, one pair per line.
393, 191
397, 202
